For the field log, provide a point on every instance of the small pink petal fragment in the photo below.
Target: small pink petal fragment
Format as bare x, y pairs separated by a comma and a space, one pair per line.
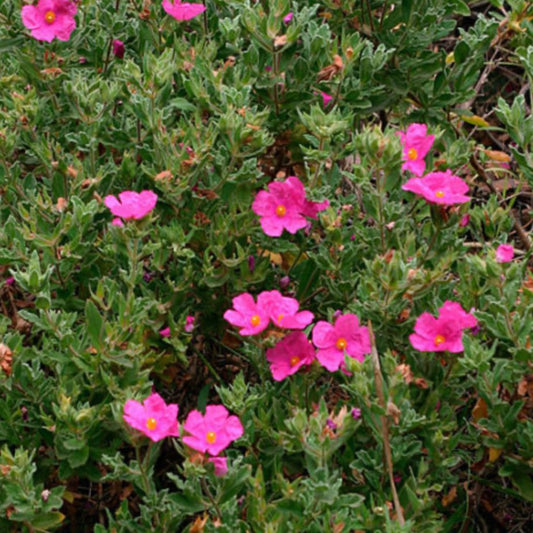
504, 253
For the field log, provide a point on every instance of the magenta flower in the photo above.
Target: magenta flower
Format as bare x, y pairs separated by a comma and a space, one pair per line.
165, 332
251, 317
212, 432
444, 333
153, 417
221, 465
131, 205
439, 188
326, 99
356, 413
288, 17
416, 144
189, 324
49, 19
283, 311
346, 336
504, 253
285, 206
118, 48
289, 355
182, 10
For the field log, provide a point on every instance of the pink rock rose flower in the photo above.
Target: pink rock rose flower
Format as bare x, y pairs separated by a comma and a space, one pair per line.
289, 355
212, 432
504, 253
131, 205
165, 332
439, 188
288, 17
189, 324
444, 333
49, 19
415, 146
221, 465
254, 317
153, 417
182, 10
326, 98
285, 206
333, 341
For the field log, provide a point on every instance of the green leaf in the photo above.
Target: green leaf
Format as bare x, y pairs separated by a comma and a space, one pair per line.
95, 324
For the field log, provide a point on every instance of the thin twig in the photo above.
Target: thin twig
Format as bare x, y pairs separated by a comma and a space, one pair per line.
384, 424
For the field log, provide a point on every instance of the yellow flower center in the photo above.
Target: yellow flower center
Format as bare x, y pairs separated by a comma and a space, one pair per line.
151, 423
49, 16
294, 360
255, 320
211, 437
341, 343
439, 194
439, 339
280, 318
280, 210
412, 154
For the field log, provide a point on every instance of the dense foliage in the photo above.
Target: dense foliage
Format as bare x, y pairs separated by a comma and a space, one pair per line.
206, 113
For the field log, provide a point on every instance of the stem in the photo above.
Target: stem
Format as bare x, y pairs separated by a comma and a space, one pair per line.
319, 165
384, 424
431, 244
144, 476
276, 74
110, 45
211, 498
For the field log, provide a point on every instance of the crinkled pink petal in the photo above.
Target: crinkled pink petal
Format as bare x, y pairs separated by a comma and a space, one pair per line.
324, 335
182, 10
504, 253
330, 358
289, 355
221, 465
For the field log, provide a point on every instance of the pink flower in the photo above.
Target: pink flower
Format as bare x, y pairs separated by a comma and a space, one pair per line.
248, 315
356, 413
465, 220
49, 19
416, 144
326, 98
271, 305
439, 188
189, 324
221, 465
288, 17
182, 10
283, 311
131, 204
346, 336
10, 281
212, 432
289, 355
118, 48
285, 207
504, 253
165, 332
444, 333
153, 417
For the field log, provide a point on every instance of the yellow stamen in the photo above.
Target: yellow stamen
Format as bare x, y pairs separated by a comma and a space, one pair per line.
294, 360
439, 339
439, 194
341, 343
151, 423
280, 317
412, 154
280, 210
211, 437
255, 320
49, 17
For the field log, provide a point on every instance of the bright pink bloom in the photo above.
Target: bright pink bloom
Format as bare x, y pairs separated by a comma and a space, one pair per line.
356, 413
165, 332
283, 311
189, 324
346, 336
118, 48
221, 465
131, 204
288, 17
444, 333
464, 220
251, 317
153, 417
326, 98
439, 188
504, 253
10, 280
416, 144
182, 10
289, 355
117, 222
49, 19
284, 206
212, 432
